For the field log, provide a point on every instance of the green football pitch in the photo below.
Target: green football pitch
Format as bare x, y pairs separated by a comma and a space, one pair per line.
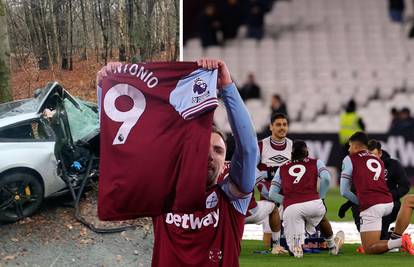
347, 257
333, 201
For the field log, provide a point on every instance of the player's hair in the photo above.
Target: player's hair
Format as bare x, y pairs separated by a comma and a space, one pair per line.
276, 116
299, 150
374, 144
359, 137
277, 97
216, 130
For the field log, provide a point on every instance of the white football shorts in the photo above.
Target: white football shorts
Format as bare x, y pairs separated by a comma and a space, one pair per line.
261, 212
371, 218
300, 216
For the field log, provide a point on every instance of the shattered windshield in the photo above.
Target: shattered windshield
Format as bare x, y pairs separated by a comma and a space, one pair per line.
83, 121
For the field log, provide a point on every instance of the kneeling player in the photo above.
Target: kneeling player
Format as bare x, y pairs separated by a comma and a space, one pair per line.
262, 211
303, 205
366, 173
403, 220
266, 212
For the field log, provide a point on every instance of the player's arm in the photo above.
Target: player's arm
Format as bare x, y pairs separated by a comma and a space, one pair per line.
325, 178
243, 164
260, 176
346, 181
275, 188
401, 180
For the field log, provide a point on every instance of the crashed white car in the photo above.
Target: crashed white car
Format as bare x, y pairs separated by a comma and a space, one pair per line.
40, 155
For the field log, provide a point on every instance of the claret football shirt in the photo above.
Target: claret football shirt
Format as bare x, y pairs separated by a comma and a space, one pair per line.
367, 173
156, 123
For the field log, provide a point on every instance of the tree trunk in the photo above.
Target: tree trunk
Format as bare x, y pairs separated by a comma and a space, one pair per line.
70, 36
131, 50
41, 39
103, 25
57, 57
177, 29
43, 25
60, 13
122, 31
95, 37
108, 21
84, 55
19, 43
148, 28
5, 90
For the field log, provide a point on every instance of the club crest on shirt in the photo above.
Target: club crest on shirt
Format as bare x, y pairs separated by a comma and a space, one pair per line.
200, 89
215, 255
211, 200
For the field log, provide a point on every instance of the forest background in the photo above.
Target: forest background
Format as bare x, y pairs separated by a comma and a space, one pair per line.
70, 40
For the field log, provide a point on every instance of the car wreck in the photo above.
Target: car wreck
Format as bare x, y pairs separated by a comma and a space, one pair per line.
49, 144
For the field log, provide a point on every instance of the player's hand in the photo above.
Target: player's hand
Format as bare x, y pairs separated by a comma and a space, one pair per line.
343, 209
110, 67
224, 77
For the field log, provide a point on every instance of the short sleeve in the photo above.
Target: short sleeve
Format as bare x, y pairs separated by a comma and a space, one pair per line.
195, 94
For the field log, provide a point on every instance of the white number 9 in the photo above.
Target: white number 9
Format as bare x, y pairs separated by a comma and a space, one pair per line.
374, 168
128, 118
298, 174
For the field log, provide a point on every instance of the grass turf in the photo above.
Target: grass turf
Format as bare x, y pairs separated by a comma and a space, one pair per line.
333, 201
347, 257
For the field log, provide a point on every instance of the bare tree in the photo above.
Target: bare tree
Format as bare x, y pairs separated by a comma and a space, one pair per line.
177, 29
84, 54
60, 31
70, 32
5, 93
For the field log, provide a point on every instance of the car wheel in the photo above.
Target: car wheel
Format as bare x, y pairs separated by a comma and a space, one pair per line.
21, 195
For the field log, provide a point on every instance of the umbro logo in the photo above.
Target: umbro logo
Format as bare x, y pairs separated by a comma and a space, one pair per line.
279, 159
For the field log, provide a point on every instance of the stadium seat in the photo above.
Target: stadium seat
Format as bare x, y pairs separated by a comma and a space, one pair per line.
331, 48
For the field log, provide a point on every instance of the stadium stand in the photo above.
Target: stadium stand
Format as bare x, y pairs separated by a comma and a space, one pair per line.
318, 54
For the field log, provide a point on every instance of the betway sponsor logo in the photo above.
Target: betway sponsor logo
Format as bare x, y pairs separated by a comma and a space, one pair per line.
401, 149
189, 221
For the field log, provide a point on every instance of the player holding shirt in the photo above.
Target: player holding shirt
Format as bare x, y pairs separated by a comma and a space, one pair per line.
211, 237
303, 205
365, 172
